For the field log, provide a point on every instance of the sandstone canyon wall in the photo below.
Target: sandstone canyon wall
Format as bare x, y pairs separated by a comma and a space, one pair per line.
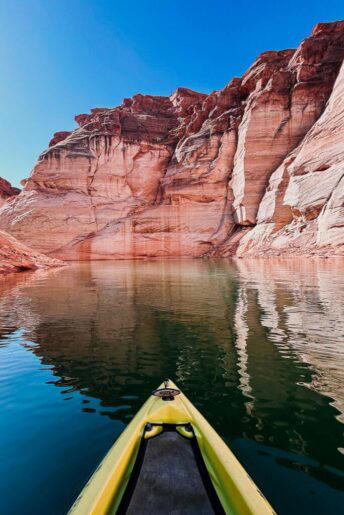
14, 255
17, 257
255, 168
7, 191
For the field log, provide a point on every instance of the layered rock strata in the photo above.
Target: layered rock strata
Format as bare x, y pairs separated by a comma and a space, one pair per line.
7, 191
247, 169
17, 257
303, 207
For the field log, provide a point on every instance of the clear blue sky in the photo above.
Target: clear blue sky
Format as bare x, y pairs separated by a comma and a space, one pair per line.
59, 58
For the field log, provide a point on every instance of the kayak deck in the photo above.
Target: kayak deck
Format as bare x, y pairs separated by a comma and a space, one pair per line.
190, 470
169, 477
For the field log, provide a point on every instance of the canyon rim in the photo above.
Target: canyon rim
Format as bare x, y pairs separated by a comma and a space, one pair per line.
254, 169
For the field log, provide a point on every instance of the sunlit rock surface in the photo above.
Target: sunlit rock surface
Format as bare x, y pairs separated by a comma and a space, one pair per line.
254, 168
17, 257
303, 209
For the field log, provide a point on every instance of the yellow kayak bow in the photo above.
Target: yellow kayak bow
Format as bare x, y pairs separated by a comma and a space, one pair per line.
169, 458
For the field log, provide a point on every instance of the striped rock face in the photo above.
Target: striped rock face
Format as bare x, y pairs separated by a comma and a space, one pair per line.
17, 257
250, 169
303, 208
7, 191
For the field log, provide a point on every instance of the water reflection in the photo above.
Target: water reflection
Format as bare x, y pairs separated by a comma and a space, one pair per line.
302, 304
258, 345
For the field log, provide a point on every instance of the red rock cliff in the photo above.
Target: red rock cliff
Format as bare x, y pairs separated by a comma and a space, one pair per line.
7, 191
253, 168
17, 257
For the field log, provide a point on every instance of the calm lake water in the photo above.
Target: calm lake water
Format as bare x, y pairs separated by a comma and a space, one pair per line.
258, 347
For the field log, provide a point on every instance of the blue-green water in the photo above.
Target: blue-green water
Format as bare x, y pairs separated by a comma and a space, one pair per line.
258, 346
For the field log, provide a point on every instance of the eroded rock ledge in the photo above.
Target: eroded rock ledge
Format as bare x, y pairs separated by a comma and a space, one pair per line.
7, 191
255, 168
17, 257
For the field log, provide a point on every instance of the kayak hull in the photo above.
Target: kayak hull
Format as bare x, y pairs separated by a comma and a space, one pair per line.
104, 491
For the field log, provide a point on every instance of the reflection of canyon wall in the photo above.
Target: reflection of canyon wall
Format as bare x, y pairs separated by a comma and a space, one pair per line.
191, 174
302, 307
123, 313
114, 315
242, 338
